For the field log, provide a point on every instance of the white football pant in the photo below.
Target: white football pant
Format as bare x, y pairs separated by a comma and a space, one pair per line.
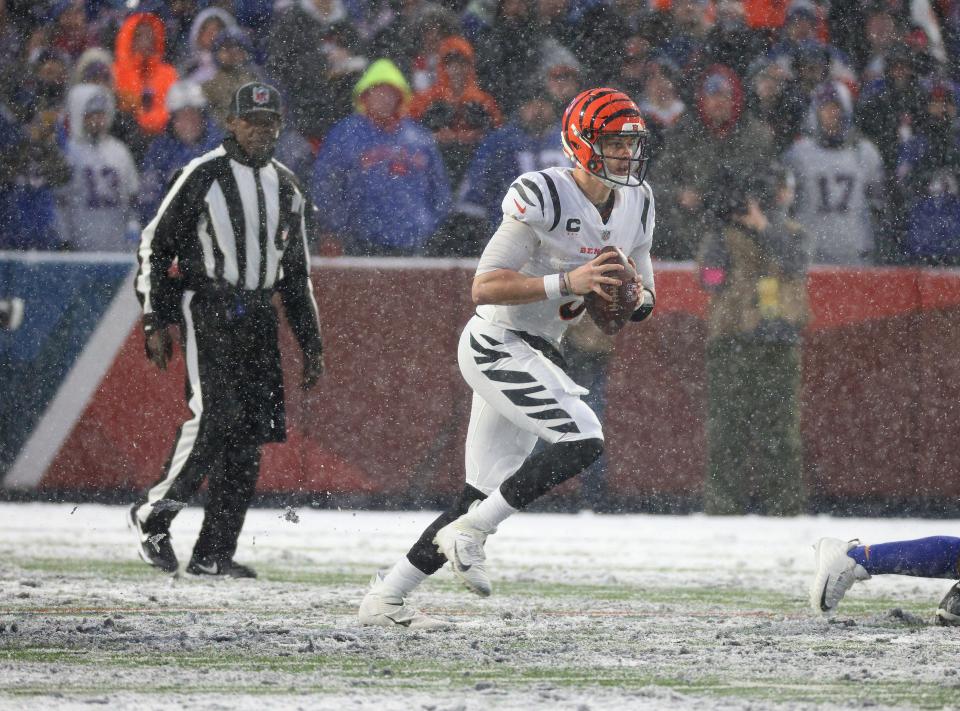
519, 395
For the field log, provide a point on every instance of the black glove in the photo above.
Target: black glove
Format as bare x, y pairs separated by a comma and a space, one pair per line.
438, 115
157, 342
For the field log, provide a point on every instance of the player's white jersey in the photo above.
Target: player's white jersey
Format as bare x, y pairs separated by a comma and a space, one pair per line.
570, 233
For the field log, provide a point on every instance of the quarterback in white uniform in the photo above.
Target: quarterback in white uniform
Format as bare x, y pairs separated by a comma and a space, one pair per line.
529, 287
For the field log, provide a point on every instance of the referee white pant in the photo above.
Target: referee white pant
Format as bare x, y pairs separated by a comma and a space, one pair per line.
519, 395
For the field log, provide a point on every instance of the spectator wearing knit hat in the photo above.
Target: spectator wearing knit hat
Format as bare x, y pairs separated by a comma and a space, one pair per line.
315, 57
510, 40
730, 41
889, 106
560, 73
716, 138
190, 133
686, 42
233, 53
455, 108
379, 154
802, 45
200, 65
840, 182
660, 102
928, 178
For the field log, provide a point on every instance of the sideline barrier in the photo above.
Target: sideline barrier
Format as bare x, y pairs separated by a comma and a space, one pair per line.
84, 410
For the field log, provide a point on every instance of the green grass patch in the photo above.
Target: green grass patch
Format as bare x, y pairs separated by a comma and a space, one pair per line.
299, 673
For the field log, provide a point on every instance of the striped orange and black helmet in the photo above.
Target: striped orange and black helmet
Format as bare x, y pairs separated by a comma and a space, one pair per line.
598, 113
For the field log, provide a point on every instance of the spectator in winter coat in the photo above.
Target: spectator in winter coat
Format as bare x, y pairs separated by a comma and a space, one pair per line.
233, 54
530, 141
928, 177
687, 38
94, 66
375, 157
412, 38
43, 87
191, 132
753, 264
777, 99
455, 109
839, 182
142, 77
560, 74
314, 58
660, 103
71, 33
801, 41
204, 30
32, 167
508, 41
730, 41
97, 207
713, 140
889, 106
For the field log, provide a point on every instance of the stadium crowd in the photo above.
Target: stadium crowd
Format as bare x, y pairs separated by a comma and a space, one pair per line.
407, 119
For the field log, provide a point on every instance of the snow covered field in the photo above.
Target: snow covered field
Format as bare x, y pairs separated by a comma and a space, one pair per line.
588, 612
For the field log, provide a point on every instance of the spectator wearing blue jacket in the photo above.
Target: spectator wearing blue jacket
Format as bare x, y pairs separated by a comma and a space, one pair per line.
190, 133
379, 181
928, 177
530, 141
32, 167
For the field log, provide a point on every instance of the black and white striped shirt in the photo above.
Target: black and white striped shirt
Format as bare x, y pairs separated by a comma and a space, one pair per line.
231, 223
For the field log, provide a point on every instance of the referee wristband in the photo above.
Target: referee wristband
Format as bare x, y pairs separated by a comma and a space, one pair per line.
553, 285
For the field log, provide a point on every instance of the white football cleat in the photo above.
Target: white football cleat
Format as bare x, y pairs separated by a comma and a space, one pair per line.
462, 544
381, 609
836, 573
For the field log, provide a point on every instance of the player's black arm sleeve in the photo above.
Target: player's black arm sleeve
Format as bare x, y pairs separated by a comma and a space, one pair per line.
645, 307
160, 244
296, 292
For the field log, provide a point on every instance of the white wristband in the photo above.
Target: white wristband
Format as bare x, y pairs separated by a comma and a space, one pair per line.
552, 285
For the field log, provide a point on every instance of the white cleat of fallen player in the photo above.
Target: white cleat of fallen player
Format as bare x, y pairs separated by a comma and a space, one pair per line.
835, 574
380, 608
462, 544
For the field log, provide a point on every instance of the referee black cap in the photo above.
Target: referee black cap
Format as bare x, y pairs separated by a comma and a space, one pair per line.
256, 96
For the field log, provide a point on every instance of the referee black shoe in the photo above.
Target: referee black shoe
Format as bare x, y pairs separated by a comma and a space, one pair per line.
155, 549
225, 568
948, 611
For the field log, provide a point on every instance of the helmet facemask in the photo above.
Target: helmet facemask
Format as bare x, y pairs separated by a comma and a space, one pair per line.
592, 124
635, 158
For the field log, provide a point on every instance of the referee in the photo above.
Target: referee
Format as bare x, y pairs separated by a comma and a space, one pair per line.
233, 221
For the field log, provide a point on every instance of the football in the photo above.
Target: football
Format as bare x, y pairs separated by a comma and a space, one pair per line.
611, 316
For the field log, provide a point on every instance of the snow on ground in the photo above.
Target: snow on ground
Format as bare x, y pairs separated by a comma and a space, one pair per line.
588, 612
